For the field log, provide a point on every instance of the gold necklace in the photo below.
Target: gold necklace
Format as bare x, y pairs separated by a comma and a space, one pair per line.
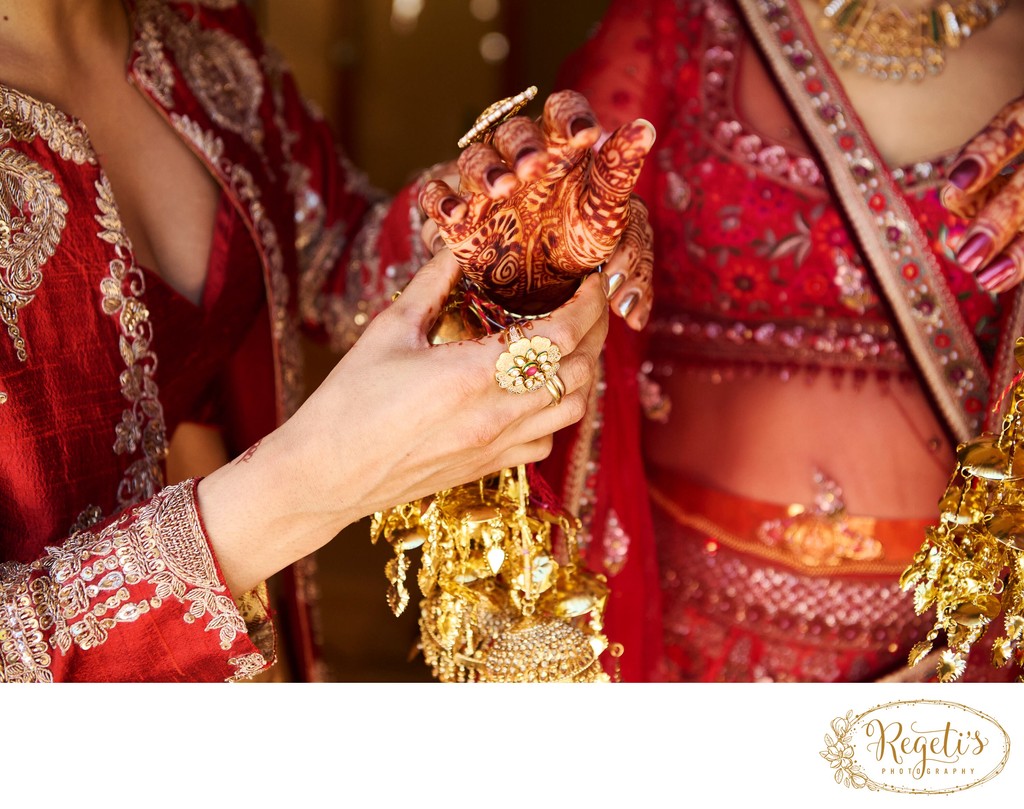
891, 42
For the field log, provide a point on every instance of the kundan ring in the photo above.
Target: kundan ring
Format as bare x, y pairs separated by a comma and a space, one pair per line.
529, 364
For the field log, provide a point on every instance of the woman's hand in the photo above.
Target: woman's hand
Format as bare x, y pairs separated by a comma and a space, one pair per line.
537, 208
396, 420
980, 189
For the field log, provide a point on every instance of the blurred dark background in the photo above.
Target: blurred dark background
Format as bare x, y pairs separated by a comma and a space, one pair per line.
401, 80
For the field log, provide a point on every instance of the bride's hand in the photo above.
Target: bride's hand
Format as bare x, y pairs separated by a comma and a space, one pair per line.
538, 208
982, 189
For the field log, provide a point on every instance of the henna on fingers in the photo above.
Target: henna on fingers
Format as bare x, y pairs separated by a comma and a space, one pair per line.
630, 270
529, 250
570, 122
983, 186
485, 173
521, 145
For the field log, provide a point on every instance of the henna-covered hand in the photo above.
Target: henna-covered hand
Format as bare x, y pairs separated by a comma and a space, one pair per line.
982, 189
537, 208
630, 270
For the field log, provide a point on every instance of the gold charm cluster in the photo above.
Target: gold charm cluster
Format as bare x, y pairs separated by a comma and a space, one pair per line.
500, 602
891, 42
971, 566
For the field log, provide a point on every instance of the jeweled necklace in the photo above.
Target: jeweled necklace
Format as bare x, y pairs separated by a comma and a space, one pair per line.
893, 43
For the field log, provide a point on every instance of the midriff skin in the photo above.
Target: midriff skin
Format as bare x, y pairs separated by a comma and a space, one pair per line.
763, 437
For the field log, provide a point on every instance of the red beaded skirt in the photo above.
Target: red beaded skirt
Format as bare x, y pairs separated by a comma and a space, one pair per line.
761, 592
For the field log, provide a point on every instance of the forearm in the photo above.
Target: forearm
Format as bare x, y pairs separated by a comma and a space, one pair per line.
268, 508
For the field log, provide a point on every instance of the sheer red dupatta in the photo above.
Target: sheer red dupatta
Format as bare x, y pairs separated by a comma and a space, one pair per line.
597, 467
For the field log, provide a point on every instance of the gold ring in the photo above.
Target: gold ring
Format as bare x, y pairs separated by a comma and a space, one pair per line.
495, 114
529, 364
556, 388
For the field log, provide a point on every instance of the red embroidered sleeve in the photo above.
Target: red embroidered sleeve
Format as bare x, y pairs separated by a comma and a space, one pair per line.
137, 598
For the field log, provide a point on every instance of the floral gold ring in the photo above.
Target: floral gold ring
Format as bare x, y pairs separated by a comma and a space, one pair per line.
529, 364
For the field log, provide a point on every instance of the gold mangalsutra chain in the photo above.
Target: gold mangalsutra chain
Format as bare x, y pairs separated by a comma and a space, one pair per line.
890, 42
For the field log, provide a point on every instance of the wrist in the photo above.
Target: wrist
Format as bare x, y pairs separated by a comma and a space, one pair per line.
264, 510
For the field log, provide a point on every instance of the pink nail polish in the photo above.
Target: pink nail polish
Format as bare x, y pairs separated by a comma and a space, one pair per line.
974, 251
964, 173
1002, 270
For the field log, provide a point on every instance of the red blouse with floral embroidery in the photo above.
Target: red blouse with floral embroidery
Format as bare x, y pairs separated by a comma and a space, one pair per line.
758, 265
756, 269
107, 574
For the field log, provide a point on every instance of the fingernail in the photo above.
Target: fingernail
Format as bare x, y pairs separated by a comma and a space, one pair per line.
525, 152
604, 283
628, 303
1000, 271
964, 173
614, 282
448, 204
974, 251
501, 180
530, 163
649, 127
580, 123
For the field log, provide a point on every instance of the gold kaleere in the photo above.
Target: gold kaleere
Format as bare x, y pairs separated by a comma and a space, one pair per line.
891, 42
500, 605
970, 568
506, 597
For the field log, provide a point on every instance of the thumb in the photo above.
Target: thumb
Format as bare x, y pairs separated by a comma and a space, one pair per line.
424, 296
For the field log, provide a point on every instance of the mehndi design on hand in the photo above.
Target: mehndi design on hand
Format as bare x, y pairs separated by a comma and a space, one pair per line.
981, 189
541, 208
630, 270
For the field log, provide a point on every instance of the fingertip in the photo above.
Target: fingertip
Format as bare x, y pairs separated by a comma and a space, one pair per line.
964, 174
531, 165
583, 132
501, 182
949, 195
439, 202
639, 318
650, 134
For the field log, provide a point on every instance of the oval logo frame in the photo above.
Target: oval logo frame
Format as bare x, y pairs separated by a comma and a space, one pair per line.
923, 746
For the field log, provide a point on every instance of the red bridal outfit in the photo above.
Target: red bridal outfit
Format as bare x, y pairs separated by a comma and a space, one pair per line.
772, 266
107, 573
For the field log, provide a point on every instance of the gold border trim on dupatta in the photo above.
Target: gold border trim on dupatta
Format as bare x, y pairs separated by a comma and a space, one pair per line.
910, 277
